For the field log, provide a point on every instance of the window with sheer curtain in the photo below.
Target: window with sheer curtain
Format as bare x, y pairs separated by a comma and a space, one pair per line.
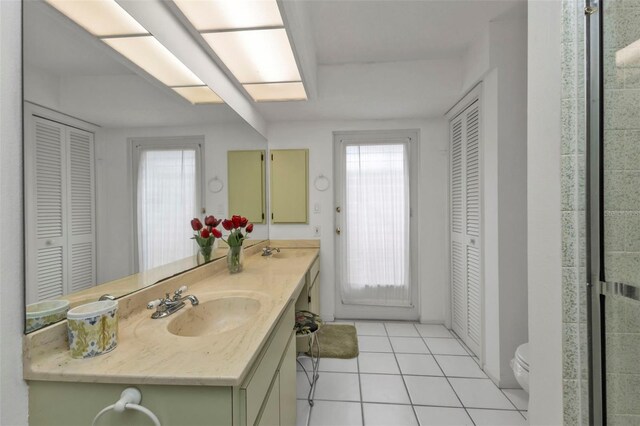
376, 238
167, 197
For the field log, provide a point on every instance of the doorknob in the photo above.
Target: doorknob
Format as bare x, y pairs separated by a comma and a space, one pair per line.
338, 231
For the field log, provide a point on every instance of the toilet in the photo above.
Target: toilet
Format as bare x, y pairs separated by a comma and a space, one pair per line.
520, 366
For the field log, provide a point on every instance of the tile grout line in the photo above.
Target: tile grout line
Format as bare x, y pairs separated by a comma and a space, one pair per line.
513, 403
454, 391
406, 388
359, 379
509, 410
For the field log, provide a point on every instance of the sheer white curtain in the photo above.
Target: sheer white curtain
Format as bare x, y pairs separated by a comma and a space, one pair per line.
376, 239
166, 203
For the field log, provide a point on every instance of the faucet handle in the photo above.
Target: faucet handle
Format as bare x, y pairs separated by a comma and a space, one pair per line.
154, 304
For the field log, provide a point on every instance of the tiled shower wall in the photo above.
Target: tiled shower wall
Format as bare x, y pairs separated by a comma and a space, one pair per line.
575, 349
622, 210
621, 42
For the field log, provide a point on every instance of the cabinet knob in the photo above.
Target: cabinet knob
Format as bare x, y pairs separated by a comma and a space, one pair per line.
48, 242
338, 231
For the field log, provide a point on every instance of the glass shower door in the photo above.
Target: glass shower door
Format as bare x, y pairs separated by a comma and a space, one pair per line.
619, 207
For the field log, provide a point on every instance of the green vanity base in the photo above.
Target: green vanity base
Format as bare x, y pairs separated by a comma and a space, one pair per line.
267, 396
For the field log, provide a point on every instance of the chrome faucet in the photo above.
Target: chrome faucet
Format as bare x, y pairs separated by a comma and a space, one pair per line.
169, 305
268, 251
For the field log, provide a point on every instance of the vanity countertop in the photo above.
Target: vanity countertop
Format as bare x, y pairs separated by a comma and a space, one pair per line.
148, 353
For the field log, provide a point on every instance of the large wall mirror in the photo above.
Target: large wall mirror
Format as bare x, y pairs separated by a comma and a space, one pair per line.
116, 166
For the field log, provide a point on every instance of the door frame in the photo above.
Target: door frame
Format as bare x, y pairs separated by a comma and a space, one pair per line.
351, 311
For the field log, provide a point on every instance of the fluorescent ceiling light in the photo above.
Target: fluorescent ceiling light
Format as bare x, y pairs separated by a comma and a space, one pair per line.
208, 15
256, 56
99, 17
199, 95
150, 55
277, 92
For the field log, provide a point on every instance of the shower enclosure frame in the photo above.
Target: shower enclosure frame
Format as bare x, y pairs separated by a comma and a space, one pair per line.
598, 287
594, 197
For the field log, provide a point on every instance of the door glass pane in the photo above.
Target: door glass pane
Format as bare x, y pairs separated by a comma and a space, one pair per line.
621, 160
165, 206
376, 237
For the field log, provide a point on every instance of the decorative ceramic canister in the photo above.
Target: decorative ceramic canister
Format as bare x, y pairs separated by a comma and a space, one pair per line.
45, 312
93, 328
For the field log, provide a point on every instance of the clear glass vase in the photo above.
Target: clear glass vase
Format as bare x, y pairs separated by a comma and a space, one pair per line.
235, 259
205, 254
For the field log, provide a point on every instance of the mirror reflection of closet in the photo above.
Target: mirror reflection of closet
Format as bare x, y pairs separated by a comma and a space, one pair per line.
116, 165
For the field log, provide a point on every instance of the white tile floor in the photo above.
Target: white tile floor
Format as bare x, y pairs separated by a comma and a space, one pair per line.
408, 374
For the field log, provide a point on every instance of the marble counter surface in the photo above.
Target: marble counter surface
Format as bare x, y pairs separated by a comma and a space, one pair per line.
148, 353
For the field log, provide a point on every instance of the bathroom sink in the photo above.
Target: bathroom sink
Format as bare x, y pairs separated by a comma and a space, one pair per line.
214, 316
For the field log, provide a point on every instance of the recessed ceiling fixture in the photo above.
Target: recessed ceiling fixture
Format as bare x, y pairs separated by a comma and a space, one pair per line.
250, 38
108, 21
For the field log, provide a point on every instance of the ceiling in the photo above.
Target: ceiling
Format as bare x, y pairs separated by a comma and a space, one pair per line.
396, 30
96, 84
388, 59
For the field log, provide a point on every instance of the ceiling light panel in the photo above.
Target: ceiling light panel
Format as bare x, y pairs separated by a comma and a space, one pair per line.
199, 95
256, 56
214, 15
99, 17
276, 92
150, 55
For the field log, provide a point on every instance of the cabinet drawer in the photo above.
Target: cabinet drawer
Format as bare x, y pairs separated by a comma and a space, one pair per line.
254, 391
314, 270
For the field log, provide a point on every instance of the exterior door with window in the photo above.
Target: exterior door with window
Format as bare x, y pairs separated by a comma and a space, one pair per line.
168, 183
374, 226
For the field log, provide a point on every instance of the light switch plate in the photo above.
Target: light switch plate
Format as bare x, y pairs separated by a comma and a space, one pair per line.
316, 208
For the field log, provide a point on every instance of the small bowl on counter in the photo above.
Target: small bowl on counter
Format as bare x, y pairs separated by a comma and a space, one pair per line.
46, 312
93, 328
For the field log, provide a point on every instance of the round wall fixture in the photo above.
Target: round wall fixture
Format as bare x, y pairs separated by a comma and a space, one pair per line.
215, 185
322, 183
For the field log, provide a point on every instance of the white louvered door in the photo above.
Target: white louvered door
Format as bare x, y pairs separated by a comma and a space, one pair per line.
81, 215
60, 216
466, 232
46, 220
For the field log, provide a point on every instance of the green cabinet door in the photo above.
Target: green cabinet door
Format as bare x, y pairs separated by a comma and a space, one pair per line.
271, 410
288, 405
246, 184
289, 186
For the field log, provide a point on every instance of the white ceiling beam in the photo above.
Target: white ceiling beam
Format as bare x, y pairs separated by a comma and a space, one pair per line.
295, 15
156, 17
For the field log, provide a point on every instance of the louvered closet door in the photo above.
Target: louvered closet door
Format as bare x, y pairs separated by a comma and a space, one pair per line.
80, 220
46, 225
466, 261
458, 263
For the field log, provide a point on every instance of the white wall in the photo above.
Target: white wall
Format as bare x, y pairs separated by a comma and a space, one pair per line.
544, 219
434, 257
114, 185
498, 59
13, 390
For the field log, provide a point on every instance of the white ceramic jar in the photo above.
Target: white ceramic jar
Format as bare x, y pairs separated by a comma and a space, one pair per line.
93, 328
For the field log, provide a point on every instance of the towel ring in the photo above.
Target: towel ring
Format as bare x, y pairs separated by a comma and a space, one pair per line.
215, 185
321, 183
